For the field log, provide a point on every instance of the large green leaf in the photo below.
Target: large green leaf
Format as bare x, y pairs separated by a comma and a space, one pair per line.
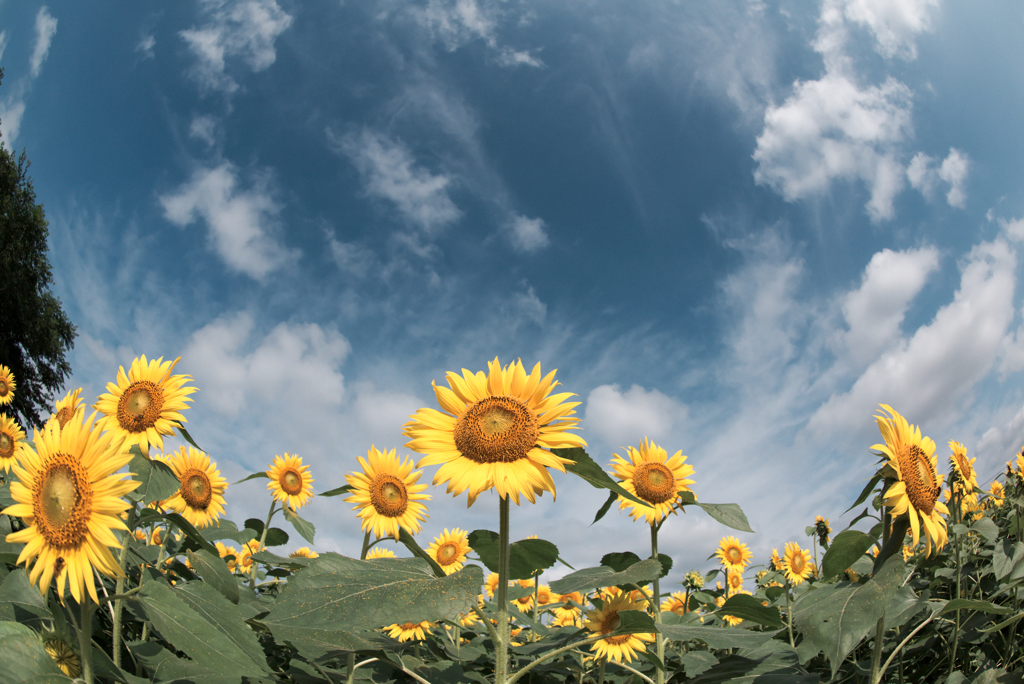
167, 668
776, 668
526, 557
5, 496
8, 552
225, 529
190, 633
214, 572
846, 548
324, 605
1007, 557
303, 527
20, 601
594, 578
975, 605
586, 468
275, 535
622, 560
750, 608
716, 637
23, 660
196, 538
730, 515
158, 481
223, 615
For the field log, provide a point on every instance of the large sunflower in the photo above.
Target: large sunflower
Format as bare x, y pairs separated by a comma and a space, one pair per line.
796, 563
290, 482
605, 620
7, 385
12, 437
450, 549
733, 554
68, 406
918, 485
69, 494
496, 432
386, 494
145, 404
200, 498
654, 477
965, 479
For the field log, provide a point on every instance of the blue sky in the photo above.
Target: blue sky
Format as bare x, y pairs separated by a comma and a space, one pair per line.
735, 229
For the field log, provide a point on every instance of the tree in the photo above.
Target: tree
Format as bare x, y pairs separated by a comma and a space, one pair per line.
35, 332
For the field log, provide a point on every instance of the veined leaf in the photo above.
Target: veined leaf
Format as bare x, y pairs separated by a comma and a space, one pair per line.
215, 573
846, 548
592, 578
20, 601
620, 561
303, 527
730, 515
716, 637
971, 604
228, 530
223, 615
23, 658
527, 557
586, 468
749, 608
167, 667
158, 481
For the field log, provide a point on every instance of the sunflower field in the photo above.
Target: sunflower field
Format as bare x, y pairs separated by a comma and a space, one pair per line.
118, 565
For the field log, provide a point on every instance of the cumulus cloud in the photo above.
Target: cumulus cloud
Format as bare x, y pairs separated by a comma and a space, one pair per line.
457, 22
625, 418
894, 23
246, 30
46, 28
390, 171
925, 176
242, 222
526, 234
204, 128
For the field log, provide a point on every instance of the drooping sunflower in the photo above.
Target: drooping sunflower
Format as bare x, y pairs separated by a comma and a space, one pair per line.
380, 552
916, 492
70, 495
200, 498
7, 385
12, 437
652, 476
496, 432
732, 554
796, 563
822, 529
386, 494
290, 481
304, 552
64, 657
68, 406
693, 580
145, 404
965, 479
450, 549
407, 631
624, 647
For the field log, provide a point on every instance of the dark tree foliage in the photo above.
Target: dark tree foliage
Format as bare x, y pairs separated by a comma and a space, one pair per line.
34, 331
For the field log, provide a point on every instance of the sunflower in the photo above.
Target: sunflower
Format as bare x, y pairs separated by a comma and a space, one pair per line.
693, 580
525, 603
450, 549
290, 482
496, 432
965, 479
469, 619
796, 563
995, 494
68, 407
64, 657
304, 552
491, 585
387, 495
567, 608
7, 385
200, 498
380, 552
605, 620
732, 554
545, 596
729, 619
224, 550
408, 631
567, 619
734, 581
916, 492
822, 529
243, 561
676, 603
12, 437
69, 494
775, 563
652, 476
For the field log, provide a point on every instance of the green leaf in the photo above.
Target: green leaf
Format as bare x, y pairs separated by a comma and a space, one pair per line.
696, 662
986, 528
223, 615
323, 608
214, 572
1007, 557
188, 437
586, 468
158, 481
612, 496
166, 667
846, 548
749, 608
337, 491
620, 561
20, 601
200, 640
775, 668
716, 637
303, 527
410, 543
176, 519
972, 604
275, 535
729, 515
268, 558
9, 552
5, 496
634, 622
526, 557
254, 476
228, 530
23, 658
594, 578
865, 493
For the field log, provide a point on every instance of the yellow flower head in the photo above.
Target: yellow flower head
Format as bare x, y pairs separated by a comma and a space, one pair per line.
386, 494
303, 552
491, 585
732, 554
380, 552
450, 549
917, 489
12, 437
525, 603
965, 479
225, 551
200, 498
68, 406
244, 560
7, 385
69, 493
734, 581
64, 657
568, 608
995, 493
796, 563
290, 481
676, 603
496, 432
624, 647
145, 404
652, 476
408, 631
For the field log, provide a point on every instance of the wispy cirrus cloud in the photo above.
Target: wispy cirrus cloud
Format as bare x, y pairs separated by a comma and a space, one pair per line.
46, 29
456, 22
12, 110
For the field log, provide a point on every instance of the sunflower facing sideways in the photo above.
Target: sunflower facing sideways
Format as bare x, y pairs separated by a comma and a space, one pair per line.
916, 491
496, 432
624, 647
965, 479
12, 437
69, 493
68, 406
654, 477
145, 404
7, 385
450, 549
386, 494
200, 498
290, 482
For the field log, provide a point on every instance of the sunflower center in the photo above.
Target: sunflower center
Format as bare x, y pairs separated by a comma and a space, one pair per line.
6, 445
3, 388
735, 581
388, 495
965, 468
919, 476
62, 502
797, 564
291, 482
140, 406
196, 489
447, 554
654, 482
410, 625
734, 554
496, 430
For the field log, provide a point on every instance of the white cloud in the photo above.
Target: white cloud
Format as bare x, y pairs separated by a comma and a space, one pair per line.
894, 23
526, 234
1014, 228
389, 171
457, 22
625, 418
46, 28
204, 128
146, 45
10, 120
242, 223
246, 29
925, 175
351, 257
3, 43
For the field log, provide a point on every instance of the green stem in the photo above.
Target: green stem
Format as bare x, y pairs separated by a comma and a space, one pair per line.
350, 665
115, 649
366, 546
600, 671
85, 641
956, 625
639, 674
876, 658
659, 638
789, 617
259, 547
501, 647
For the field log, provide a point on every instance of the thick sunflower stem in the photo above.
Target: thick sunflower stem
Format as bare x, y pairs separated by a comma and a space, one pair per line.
366, 546
501, 648
659, 638
115, 651
259, 547
876, 658
789, 616
85, 640
956, 626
